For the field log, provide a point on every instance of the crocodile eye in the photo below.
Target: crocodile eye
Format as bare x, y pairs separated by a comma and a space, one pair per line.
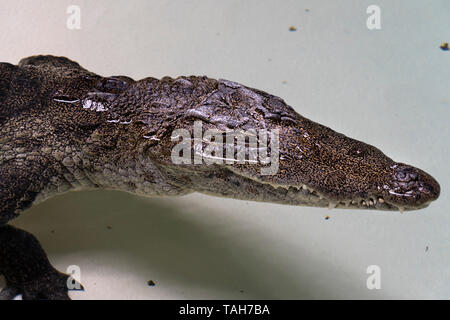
114, 84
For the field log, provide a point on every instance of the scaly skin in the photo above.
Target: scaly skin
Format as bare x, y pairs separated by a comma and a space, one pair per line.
64, 128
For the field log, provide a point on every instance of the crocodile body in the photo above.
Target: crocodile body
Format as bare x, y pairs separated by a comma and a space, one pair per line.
64, 128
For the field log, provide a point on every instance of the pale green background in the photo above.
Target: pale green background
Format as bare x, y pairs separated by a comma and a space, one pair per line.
389, 88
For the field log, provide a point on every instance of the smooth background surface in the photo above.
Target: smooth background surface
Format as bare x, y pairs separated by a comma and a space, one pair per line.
388, 87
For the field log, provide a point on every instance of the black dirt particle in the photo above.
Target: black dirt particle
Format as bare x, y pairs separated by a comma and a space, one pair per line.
292, 28
151, 283
444, 46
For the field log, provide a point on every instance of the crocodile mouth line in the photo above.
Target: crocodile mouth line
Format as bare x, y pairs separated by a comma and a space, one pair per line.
312, 196
369, 202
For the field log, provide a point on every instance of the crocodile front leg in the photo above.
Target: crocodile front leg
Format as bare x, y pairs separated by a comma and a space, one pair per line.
23, 262
27, 269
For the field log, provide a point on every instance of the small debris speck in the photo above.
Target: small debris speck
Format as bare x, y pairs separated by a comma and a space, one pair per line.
292, 28
444, 46
426, 248
327, 217
151, 283
283, 82
241, 291
306, 10
108, 227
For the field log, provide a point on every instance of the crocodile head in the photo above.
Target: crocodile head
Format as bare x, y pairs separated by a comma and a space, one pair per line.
320, 167
314, 165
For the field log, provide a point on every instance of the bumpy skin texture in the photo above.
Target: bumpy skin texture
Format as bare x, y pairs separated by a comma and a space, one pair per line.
64, 128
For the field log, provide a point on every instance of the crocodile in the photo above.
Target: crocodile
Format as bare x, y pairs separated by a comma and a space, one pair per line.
64, 128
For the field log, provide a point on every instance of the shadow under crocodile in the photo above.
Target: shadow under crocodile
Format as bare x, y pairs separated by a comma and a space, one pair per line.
158, 236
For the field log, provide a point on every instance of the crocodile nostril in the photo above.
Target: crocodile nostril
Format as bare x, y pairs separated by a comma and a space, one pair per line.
406, 175
400, 175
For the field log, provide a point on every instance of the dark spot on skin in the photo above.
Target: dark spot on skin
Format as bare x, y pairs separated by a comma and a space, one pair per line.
356, 152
